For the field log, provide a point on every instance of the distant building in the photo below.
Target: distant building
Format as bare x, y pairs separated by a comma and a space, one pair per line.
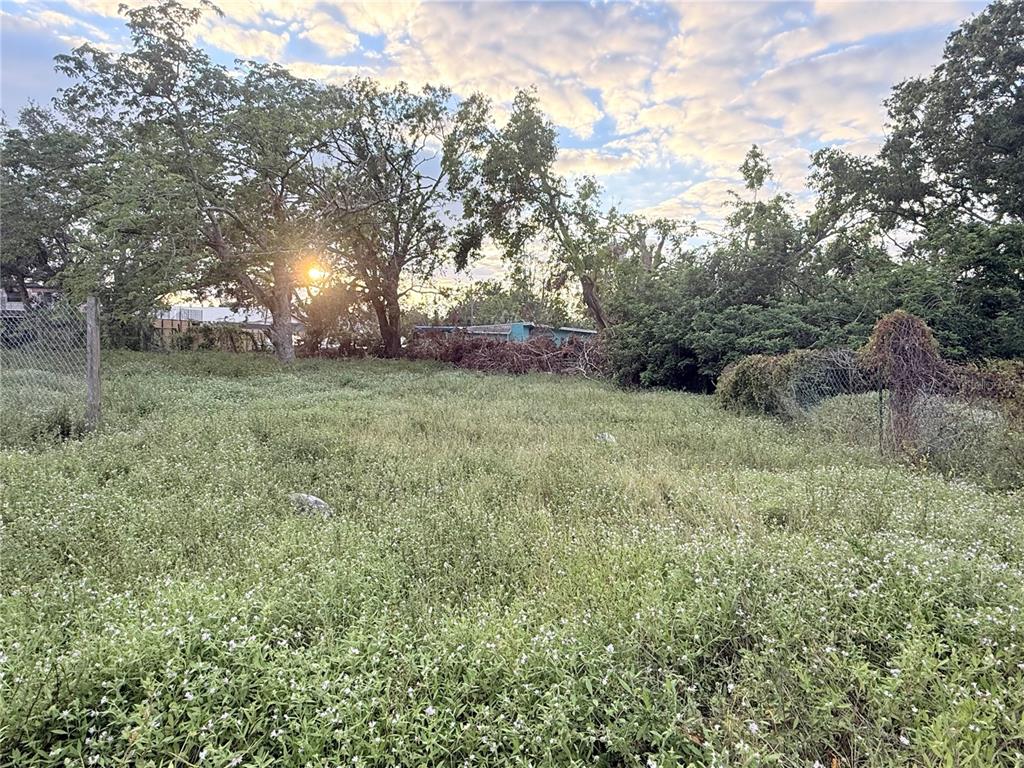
517, 331
38, 295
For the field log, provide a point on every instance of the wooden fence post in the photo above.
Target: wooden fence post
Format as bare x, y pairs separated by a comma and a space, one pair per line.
92, 363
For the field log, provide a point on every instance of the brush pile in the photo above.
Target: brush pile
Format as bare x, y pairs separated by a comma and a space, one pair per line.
574, 357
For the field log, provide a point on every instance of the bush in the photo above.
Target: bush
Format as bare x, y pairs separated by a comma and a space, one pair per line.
669, 333
788, 385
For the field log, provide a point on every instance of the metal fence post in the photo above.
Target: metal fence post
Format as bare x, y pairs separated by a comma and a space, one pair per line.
92, 363
881, 422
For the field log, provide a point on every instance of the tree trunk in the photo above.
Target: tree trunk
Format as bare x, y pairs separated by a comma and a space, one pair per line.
389, 318
281, 312
593, 302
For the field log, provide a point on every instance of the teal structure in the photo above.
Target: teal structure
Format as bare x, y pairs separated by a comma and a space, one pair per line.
518, 331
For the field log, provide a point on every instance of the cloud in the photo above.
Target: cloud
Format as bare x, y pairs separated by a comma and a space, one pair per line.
663, 100
830, 23
377, 18
331, 35
327, 73
50, 18
108, 8
704, 202
581, 58
838, 96
245, 43
595, 162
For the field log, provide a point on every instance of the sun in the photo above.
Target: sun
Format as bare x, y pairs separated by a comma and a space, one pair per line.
316, 273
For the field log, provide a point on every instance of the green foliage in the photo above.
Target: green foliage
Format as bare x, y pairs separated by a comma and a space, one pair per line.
497, 587
673, 331
517, 198
790, 384
396, 205
947, 187
42, 180
337, 319
40, 406
945, 190
518, 297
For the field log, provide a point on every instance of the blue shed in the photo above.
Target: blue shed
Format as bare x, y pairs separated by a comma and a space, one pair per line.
518, 331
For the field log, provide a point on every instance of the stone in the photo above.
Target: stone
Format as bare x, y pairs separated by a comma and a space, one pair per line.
605, 437
307, 504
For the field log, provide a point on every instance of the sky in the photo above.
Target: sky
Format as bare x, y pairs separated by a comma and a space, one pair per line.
660, 101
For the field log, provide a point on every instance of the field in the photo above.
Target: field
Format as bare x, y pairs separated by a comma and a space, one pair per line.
497, 587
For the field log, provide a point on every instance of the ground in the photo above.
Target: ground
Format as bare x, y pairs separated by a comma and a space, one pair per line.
497, 587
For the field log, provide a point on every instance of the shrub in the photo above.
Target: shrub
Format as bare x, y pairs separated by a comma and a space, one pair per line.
788, 385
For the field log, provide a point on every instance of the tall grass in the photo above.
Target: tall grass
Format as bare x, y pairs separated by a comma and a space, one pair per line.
497, 587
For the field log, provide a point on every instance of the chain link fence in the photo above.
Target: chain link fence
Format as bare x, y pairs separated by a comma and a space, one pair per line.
896, 395
49, 371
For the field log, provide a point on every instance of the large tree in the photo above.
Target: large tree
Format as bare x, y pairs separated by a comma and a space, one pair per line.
83, 212
521, 200
946, 190
238, 147
42, 171
394, 215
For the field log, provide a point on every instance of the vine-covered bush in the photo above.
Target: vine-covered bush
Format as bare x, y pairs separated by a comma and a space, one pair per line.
788, 385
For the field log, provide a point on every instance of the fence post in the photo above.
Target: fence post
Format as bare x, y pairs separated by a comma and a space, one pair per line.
881, 422
92, 363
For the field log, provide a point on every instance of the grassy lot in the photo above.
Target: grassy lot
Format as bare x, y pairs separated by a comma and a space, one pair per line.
497, 587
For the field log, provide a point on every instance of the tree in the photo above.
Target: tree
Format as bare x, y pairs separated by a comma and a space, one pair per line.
518, 199
38, 196
238, 147
337, 318
518, 297
946, 190
81, 213
395, 215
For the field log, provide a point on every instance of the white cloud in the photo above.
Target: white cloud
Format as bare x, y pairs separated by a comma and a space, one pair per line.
834, 23
330, 34
327, 73
51, 19
657, 94
377, 18
837, 97
243, 42
103, 7
595, 162
575, 54
704, 202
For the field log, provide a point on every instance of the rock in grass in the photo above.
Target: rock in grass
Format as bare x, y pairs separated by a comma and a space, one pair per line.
306, 504
605, 437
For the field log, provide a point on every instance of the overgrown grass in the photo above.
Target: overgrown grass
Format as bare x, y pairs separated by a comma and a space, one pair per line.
497, 587
39, 402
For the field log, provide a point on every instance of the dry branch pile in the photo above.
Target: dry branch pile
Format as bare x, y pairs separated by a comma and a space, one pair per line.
577, 357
